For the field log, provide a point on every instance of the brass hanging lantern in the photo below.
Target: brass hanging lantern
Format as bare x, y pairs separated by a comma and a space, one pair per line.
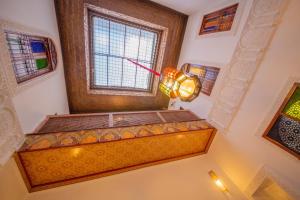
175, 83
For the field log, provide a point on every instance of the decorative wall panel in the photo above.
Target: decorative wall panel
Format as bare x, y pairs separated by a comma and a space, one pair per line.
11, 136
218, 21
255, 37
55, 159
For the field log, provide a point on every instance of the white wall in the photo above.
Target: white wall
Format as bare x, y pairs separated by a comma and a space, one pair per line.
211, 50
242, 151
247, 150
33, 103
184, 179
48, 96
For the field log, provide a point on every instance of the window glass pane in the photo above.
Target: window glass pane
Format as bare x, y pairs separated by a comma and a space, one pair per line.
114, 71
128, 74
147, 44
101, 35
142, 77
100, 71
115, 42
20, 68
117, 38
132, 42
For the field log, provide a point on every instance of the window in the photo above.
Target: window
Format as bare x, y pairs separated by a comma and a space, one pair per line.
31, 56
112, 42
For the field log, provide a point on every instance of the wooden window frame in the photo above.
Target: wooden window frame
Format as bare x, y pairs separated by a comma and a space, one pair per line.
162, 33
275, 118
50, 56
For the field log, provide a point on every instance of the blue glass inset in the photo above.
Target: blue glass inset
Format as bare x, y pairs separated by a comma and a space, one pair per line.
37, 47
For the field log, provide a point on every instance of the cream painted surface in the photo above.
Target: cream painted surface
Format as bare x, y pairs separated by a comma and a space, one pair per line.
184, 179
211, 50
48, 96
247, 151
11, 183
242, 151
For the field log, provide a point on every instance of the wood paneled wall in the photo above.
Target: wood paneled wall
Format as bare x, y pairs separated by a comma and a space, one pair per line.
70, 17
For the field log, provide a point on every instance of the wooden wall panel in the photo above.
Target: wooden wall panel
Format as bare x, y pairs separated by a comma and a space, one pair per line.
70, 21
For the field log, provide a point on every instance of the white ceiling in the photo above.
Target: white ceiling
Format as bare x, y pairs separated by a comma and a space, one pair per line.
187, 6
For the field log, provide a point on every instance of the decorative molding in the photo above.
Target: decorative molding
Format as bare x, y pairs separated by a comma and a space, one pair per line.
160, 54
11, 136
256, 35
13, 87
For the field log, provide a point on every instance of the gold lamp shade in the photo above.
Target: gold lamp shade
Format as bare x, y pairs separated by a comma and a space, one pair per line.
176, 83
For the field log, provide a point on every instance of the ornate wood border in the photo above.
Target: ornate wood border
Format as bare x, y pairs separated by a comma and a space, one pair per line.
160, 55
271, 124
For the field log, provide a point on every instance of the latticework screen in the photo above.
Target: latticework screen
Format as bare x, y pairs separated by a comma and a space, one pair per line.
31, 56
61, 124
98, 121
179, 116
135, 119
114, 41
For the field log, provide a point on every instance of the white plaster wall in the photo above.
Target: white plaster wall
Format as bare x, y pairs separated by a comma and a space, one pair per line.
48, 96
178, 180
184, 179
212, 50
242, 151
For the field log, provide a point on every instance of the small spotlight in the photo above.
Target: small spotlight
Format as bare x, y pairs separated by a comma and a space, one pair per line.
217, 181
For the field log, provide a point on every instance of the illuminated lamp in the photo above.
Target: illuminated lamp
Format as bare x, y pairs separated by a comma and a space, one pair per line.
217, 181
175, 83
